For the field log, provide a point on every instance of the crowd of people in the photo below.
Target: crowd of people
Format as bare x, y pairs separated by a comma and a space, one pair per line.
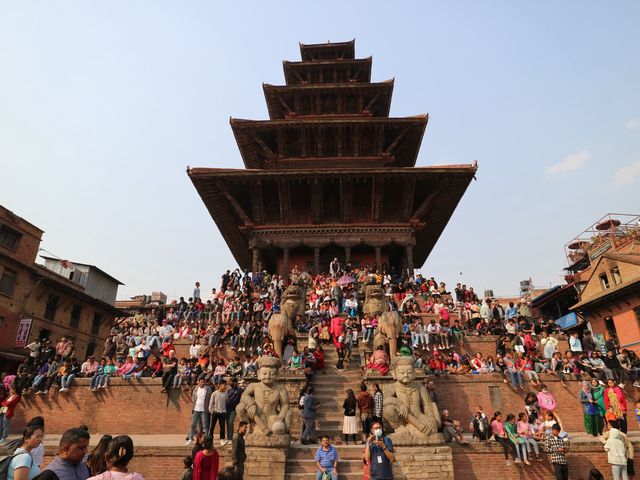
434, 322
109, 459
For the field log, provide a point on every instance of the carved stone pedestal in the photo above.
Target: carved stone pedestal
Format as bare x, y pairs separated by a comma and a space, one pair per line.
423, 463
266, 456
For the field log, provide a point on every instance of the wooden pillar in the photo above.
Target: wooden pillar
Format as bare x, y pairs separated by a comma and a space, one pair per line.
316, 260
379, 258
409, 251
347, 255
256, 259
285, 263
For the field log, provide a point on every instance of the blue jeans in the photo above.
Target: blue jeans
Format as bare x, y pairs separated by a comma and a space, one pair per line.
151, 339
36, 381
329, 470
231, 418
66, 380
5, 425
95, 381
368, 332
199, 422
138, 376
516, 378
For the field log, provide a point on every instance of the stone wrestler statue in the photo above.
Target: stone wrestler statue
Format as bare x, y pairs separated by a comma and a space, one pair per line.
265, 405
407, 407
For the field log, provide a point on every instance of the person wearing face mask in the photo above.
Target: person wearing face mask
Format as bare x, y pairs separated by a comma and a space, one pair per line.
379, 453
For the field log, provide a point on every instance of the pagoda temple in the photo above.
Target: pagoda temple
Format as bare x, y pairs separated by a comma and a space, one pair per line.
330, 174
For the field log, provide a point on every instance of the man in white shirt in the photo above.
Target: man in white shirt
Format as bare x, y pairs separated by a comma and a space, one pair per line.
34, 349
200, 398
165, 331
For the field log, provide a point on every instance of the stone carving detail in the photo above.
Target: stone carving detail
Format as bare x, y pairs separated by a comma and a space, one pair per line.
407, 407
265, 405
282, 324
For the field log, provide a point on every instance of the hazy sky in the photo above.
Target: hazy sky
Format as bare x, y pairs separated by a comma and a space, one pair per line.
104, 104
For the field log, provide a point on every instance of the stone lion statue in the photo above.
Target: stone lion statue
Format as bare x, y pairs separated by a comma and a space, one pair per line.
283, 324
389, 323
375, 302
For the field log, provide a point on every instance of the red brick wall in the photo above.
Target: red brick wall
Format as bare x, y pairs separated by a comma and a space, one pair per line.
481, 462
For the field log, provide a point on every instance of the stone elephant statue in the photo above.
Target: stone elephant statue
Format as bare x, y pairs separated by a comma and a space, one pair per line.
283, 324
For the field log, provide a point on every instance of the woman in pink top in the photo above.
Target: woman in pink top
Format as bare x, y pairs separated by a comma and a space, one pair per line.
500, 434
118, 455
525, 430
546, 401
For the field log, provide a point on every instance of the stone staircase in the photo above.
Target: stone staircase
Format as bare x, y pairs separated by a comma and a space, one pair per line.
330, 392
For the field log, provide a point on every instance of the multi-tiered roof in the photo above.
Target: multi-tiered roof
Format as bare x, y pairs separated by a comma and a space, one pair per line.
330, 169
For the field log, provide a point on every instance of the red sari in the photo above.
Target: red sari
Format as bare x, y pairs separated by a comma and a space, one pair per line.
205, 467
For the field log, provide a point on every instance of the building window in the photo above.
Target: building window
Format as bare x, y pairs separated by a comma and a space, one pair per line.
9, 238
91, 348
615, 274
95, 325
51, 307
76, 311
8, 281
604, 281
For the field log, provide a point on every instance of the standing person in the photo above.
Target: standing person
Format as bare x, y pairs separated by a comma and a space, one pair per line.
37, 453
592, 418
234, 392
365, 406
558, 448
238, 455
617, 455
7, 411
117, 457
377, 404
218, 411
22, 466
201, 397
67, 465
206, 461
349, 423
309, 408
326, 460
96, 460
378, 453
614, 399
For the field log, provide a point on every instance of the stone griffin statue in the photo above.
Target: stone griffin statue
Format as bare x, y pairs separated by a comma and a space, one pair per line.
407, 407
282, 324
389, 323
265, 405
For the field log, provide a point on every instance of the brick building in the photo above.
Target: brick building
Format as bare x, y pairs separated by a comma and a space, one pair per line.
605, 265
56, 299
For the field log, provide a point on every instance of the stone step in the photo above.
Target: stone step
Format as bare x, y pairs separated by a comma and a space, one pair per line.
309, 466
345, 452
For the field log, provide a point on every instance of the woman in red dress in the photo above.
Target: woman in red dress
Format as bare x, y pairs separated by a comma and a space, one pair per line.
206, 462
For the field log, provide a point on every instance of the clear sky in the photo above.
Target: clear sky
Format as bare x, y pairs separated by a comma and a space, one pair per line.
104, 104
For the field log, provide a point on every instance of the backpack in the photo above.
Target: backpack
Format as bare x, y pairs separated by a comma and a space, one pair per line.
4, 463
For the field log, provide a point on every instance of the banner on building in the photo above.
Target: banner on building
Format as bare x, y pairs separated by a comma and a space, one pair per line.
24, 329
